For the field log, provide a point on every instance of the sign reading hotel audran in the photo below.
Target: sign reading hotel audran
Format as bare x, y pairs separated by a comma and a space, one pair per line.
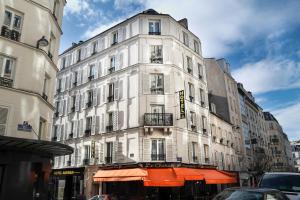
181, 104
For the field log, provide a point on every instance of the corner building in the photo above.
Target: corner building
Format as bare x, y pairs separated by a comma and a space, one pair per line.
29, 41
118, 106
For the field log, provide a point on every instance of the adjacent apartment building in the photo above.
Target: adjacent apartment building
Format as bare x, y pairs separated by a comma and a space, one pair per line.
133, 95
296, 154
28, 57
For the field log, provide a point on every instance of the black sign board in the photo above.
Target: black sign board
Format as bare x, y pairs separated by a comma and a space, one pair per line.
182, 104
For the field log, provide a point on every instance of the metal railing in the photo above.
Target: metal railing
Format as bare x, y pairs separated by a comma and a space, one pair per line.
108, 159
109, 128
11, 34
158, 119
6, 82
154, 33
158, 157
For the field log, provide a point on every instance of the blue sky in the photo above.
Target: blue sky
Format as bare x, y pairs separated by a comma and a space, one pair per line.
260, 39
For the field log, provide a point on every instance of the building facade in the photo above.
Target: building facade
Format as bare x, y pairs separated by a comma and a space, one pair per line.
28, 57
281, 153
134, 94
296, 154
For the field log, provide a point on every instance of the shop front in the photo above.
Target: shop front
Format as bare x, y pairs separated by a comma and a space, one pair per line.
67, 184
162, 183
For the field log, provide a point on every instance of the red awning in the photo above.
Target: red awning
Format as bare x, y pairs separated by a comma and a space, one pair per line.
189, 174
120, 175
162, 177
213, 176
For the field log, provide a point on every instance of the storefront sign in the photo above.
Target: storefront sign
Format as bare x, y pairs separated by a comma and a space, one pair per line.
181, 104
93, 149
24, 127
65, 172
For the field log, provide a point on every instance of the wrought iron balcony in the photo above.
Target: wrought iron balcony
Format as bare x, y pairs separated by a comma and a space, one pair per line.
158, 119
111, 70
158, 157
89, 104
86, 161
110, 98
87, 132
156, 59
109, 128
91, 77
108, 159
275, 140
156, 90
58, 90
193, 127
11, 34
6, 82
154, 33
192, 99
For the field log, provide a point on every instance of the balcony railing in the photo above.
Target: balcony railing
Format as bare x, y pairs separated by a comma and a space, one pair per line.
111, 70
191, 99
6, 82
158, 157
158, 119
89, 104
109, 128
110, 98
11, 34
108, 159
154, 33
87, 132
91, 77
275, 141
157, 90
156, 59
190, 70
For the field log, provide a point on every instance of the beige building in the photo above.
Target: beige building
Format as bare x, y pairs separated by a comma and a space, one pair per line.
29, 42
134, 94
279, 145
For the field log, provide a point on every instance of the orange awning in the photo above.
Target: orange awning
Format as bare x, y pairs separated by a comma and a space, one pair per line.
134, 174
213, 176
162, 177
189, 174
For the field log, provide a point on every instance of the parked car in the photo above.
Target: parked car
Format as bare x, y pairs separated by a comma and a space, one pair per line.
287, 182
100, 197
250, 194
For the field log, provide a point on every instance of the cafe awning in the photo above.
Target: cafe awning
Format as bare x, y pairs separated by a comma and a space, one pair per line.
162, 177
134, 174
165, 177
213, 176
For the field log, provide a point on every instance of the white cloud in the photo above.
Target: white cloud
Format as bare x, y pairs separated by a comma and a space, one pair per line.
124, 4
289, 118
269, 74
220, 24
80, 8
96, 29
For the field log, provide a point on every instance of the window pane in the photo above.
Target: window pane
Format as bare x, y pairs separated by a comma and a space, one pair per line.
8, 68
161, 147
159, 81
156, 26
151, 29
17, 22
154, 147
7, 18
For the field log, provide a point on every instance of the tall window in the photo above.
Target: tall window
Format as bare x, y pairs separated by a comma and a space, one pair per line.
87, 152
6, 71
112, 64
200, 71
158, 150
194, 150
156, 54
206, 153
95, 44
202, 97
109, 126
154, 27
109, 152
92, 72
73, 103
63, 62
189, 64
157, 83
193, 120
78, 55
111, 89
3, 120
75, 74
114, 37
89, 98
204, 124
191, 92
12, 25
196, 46
185, 38
88, 127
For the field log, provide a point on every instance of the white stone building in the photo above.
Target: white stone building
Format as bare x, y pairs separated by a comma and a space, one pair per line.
29, 41
296, 154
118, 101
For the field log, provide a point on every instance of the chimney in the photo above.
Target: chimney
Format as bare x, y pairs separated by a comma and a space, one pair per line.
184, 22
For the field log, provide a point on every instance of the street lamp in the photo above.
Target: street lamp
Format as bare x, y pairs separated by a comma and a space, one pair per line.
42, 42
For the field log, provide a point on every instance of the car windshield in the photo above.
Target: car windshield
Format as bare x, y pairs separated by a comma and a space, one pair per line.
283, 182
238, 195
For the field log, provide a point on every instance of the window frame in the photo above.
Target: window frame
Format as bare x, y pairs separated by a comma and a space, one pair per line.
156, 54
157, 155
156, 88
152, 25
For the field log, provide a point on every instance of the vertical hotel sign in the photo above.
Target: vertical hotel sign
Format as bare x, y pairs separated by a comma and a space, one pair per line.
181, 104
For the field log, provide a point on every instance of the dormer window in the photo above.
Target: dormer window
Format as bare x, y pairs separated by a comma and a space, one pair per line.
196, 46
154, 27
185, 38
114, 38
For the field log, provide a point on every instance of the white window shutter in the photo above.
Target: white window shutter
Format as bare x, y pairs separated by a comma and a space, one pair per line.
82, 101
80, 128
72, 77
146, 150
85, 76
3, 120
66, 136
73, 158
58, 132
188, 119
167, 83
115, 121
102, 123
190, 150
79, 77
97, 124
186, 89
77, 101
67, 83
61, 107
99, 69
120, 89
120, 62
115, 152
146, 85
66, 106
95, 96
169, 150
99, 96
63, 84
93, 131
75, 129
101, 152
96, 71
69, 104
116, 90
103, 94
62, 132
